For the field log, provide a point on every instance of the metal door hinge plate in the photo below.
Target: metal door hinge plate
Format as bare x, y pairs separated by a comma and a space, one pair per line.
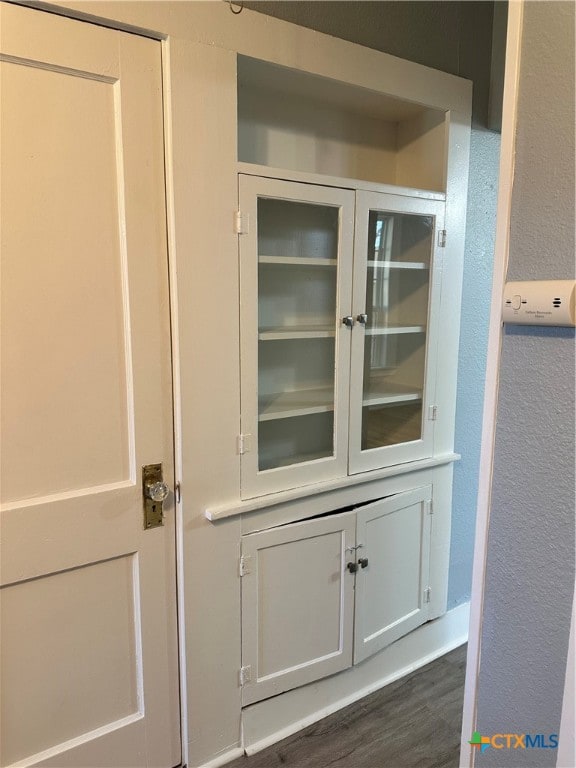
441, 238
428, 507
427, 593
433, 413
245, 565
241, 223
245, 674
243, 444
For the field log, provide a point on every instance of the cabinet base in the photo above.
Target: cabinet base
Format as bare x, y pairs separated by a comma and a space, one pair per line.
270, 721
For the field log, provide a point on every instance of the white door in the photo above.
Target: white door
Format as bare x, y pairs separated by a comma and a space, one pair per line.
296, 282
89, 647
397, 276
297, 604
393, 555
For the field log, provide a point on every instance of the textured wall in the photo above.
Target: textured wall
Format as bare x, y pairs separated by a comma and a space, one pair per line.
454, 37
530, 565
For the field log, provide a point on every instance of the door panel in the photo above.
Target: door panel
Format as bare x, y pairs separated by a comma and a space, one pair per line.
297, 605
393, 538
89, 649
397, 275
296, 278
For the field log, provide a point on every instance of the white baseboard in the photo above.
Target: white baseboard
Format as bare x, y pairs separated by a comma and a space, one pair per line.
270, 721
225, 757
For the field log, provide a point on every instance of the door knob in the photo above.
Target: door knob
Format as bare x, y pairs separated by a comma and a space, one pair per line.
155, 492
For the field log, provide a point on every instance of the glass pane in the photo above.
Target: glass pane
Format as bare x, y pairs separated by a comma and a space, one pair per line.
397, 288
297, 272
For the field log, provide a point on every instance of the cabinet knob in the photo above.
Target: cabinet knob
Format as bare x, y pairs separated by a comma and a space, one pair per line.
352, 567
362, 319
348, 321
363, 562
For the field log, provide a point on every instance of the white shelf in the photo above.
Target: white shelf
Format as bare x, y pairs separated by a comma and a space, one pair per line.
395, 329
306, 332
302, 261
397, 265
297, 458
383, 393
285, 405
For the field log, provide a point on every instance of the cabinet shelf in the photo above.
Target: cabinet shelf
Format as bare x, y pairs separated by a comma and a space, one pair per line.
300, 261
304, 332
383, 393
395, 329
285, 405
397, 265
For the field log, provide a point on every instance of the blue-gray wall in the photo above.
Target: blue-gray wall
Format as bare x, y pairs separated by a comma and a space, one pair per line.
530, 564
454, 37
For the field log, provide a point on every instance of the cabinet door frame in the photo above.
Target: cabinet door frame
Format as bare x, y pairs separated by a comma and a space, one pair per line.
368, 643
375, 458
253, 481
259, 686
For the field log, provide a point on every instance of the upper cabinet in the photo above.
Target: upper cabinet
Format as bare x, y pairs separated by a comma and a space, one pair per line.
340, 295
296, 121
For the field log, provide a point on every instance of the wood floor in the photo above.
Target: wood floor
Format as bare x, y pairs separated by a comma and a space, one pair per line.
412, 723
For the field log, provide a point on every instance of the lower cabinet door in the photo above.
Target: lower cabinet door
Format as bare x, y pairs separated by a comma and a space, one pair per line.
393, 538
297, 604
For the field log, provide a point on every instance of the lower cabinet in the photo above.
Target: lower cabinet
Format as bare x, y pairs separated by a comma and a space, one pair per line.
323, 594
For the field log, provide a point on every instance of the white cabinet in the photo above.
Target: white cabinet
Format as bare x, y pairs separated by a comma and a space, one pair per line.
320, 595
340, 298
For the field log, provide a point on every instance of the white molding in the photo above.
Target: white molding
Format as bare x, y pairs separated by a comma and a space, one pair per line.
507, 156
176, 389
270, 721
224, 758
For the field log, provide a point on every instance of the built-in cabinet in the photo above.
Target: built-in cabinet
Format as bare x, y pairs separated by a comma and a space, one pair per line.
321, 595
340, 299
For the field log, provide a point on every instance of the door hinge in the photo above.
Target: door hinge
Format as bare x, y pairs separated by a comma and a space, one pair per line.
441, 238
178, 493
245, 565
241, 223
429, 507
245, 674
433, 413
427, 593
244, 442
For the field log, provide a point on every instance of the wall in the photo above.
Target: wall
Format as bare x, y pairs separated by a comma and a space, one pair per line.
454, 37
529, 580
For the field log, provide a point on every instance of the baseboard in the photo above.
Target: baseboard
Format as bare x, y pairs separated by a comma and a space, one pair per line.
270, 721
223, 758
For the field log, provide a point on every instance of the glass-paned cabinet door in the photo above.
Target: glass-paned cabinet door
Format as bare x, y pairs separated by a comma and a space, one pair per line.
295, 278
394, 347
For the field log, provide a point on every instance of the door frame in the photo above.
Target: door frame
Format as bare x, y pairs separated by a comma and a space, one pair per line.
506, 178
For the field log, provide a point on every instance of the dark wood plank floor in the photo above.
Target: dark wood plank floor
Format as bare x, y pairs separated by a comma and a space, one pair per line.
412, 723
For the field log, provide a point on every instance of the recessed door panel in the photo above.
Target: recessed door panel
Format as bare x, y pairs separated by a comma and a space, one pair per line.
89, 657
297, 605
393, 536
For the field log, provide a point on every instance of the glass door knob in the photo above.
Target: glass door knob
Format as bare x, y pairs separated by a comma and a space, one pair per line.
157, 491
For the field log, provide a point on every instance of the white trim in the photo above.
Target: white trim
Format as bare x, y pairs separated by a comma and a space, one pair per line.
306, 491
424, 645
176, 390
507, 155
224, 758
